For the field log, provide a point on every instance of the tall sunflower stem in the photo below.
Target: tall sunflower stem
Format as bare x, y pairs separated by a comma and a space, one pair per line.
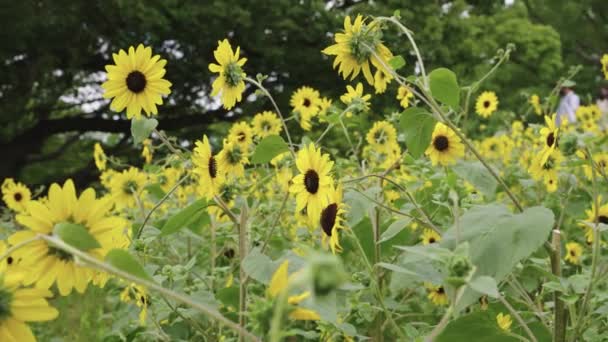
276, 108
242, 275
559, 321
518, 318
178, 297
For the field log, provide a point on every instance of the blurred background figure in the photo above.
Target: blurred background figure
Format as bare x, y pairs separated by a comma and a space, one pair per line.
568, 104
602, 101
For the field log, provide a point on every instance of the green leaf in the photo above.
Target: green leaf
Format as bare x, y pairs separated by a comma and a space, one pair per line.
155, 191
485, 285
268, 148
394, 229
397, 62
360, 203
333, 119
76, 235
476, 327
259, 266
396, 268
476, 174
124, 261
184, 217
141, 128
417, 125
444, 87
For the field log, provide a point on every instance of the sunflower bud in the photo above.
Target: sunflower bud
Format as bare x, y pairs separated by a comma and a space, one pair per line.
568, 144
459, 268
327, 274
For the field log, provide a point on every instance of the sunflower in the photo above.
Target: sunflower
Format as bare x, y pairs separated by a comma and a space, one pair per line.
241, 133
382, 136
137, 294
136, 82
430, 236
549, 137
404, 95
124, 186
100, 157
355, 97
211, 177
574, 251
265, 124
436, 294
232, 159
314, 184
48, 264
231, 79
324, 106
601, 165
15, 195
535, 102
19, 305
547, 171
279, 283
445, 146
486, 104
604, 62
504, 321
146, 151
331, 219
381, 80
352, 50
168, 178
307, 102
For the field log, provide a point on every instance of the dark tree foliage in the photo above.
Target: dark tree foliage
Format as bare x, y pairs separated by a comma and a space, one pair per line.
53, 56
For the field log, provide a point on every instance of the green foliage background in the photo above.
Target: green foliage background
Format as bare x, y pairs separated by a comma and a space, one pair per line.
52, 49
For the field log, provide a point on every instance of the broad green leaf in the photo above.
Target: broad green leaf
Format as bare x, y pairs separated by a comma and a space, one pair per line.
394, 229
397, 62
229, 296
476, 174
417, 125
184, 217
76, 235
444, 87
333, 118
124, 261
396, 268
141, 128
360, 203
485, 285
268, 148
155, 191
258, 266
499, 239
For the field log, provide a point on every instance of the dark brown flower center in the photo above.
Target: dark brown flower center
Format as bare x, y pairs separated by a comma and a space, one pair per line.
440, 290
136, 81
603, 219
486, 104
550, 139
311, 181
431, 240
572, 252
17, 196
212, 167
241, 136
328, 218
9, 260
441, 143
306, 102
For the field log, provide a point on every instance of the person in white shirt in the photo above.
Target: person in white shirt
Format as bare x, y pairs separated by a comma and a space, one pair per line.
568, 104
602, 101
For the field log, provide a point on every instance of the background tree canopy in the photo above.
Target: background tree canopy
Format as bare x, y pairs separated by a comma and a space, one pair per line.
54, 53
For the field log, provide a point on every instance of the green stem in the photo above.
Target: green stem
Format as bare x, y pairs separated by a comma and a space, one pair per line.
520, 320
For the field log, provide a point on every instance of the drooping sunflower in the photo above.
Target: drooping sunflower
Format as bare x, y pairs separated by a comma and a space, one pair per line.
574, 251
241, 133
355, 97
404, 96
535, 102
137, 294
19, 305
15, 195
265, 124
604, 62
136, 82
430, 236
306, 101
547, 171
231, 79
436, 294
313, 185
124, 186
382, 135
48, 264
445, 147
486, 104
504, 321
549, 137
100, 157
279, 283
331, 219
211, 177
352, 50
381, 80
232, 159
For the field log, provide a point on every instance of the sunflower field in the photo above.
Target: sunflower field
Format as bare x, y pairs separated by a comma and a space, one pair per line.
410, 203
